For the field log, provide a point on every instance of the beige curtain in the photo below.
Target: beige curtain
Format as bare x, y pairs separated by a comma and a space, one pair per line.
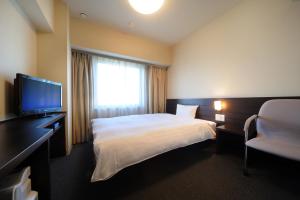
157, 89
82, 92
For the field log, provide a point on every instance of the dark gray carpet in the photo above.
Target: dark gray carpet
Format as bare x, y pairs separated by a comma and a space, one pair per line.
195, 172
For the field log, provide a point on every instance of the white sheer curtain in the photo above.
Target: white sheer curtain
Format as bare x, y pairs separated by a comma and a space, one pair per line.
120, 87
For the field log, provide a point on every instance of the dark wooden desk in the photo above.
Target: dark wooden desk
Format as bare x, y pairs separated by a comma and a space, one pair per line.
29, 141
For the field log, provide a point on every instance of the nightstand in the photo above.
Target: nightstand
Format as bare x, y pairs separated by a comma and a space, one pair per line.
230, 138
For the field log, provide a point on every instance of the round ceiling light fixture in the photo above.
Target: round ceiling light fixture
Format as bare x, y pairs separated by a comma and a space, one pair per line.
146, 7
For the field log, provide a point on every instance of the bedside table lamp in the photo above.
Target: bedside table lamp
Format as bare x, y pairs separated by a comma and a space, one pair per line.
218, 105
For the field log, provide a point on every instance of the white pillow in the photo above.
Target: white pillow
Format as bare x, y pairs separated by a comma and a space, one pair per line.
186, 110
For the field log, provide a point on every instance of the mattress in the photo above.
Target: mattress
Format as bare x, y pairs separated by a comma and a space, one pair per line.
120, 142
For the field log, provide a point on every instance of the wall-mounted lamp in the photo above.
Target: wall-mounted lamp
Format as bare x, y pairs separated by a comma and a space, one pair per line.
218, 105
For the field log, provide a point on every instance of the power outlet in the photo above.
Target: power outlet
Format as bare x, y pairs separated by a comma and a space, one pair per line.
220, 118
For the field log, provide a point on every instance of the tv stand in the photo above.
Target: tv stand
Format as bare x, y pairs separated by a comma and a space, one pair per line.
31, 141
44, 115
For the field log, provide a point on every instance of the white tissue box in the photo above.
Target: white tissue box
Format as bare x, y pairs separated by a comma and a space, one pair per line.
17, 187
23, 190
33, 195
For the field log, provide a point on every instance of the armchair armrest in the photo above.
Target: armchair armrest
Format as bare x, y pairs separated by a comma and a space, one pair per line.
247, 125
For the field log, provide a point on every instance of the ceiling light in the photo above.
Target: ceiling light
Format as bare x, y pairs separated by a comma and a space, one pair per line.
146, 7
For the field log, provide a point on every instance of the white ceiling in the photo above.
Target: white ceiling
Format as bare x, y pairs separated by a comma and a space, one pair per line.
173, 22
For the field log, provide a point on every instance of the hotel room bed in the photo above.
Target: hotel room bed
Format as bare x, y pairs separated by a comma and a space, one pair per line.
120, 142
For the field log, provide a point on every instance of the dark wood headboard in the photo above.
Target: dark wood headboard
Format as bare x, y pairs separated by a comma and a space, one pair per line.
236, 110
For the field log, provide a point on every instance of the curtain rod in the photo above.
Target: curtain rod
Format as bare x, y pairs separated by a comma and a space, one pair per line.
115, 56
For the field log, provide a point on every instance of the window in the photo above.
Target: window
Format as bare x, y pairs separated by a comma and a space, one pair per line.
119, 87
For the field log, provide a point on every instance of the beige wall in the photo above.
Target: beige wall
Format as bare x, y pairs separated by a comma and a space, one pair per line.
54, 56
253, 50
47, 7
101, 37
17, 51
69, 83
39, 12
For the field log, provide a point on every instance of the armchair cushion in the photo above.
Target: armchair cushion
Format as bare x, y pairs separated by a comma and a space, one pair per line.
281, 148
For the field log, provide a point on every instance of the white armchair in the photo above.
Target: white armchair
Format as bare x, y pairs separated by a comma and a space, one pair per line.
278, 129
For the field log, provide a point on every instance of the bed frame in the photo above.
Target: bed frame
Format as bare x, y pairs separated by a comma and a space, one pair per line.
236, 110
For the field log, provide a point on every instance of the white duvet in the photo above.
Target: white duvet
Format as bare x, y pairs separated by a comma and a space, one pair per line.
123, 141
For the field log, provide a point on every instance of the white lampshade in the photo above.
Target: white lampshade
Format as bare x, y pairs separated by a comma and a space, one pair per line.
218, 105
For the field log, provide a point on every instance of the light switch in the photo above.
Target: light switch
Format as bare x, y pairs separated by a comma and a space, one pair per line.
220, 118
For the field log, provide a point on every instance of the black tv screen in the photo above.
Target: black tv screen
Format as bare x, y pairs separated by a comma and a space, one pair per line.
35, 95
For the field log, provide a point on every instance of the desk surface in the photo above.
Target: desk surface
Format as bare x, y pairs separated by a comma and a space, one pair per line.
20, 137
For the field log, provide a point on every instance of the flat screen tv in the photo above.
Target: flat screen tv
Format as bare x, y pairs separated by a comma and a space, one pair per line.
37, 96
